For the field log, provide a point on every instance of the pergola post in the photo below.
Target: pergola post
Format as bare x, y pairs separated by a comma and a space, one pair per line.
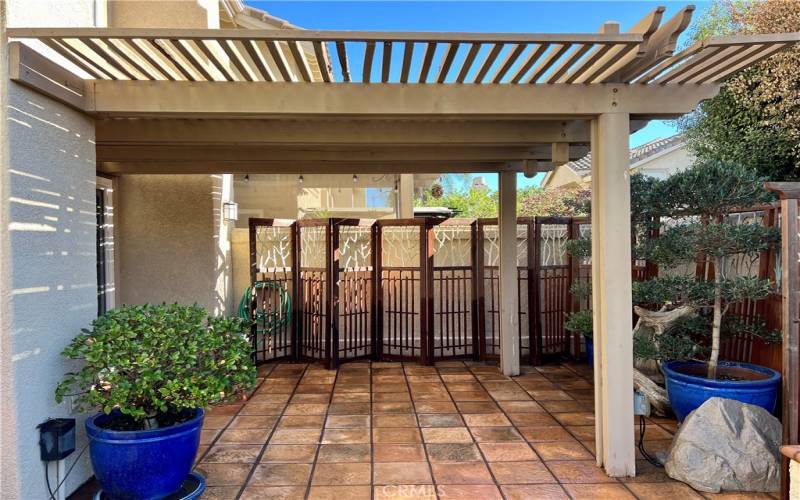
611, 298
405, 193
509, 306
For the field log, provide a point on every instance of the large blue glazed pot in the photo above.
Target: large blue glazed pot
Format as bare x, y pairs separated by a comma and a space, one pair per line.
688, 392
143, 465
589, 350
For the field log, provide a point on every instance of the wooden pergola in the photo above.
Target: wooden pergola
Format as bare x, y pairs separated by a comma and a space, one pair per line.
255, 101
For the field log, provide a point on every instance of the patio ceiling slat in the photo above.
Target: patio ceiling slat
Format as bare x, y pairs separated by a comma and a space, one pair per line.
194, 61
688, 65
279, 58
720, 74
568, 62
135, 47
508, 62
468, 61
595, 55
300, 60
213, 58
165, 49
644, 55
534, 56
117, 50
447, 61
105, 56
341, 51
427, 60
491, 57
259, 60
722, 56
235, 59
556, 52
369, 55
408, 54
76, 58
387, 61
322, 61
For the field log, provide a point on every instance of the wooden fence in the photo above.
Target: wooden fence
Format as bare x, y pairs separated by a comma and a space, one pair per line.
427, 290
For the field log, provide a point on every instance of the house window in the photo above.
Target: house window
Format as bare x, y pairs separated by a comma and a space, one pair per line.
104, 244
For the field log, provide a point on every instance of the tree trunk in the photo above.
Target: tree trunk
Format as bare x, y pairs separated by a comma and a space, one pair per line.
657, 395
716, 325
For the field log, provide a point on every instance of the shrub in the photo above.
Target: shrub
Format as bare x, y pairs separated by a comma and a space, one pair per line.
580, 322
155, 361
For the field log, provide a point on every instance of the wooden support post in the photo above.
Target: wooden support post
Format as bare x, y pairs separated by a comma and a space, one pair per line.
332, 242
405, 193
509, 300
476, 249
611, 284
790, 310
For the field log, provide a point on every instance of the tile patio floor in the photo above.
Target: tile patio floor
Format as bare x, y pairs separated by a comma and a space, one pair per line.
392, 430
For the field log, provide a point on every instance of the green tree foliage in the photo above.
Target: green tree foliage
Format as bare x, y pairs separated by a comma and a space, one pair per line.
690, 208
755, 119
154, 361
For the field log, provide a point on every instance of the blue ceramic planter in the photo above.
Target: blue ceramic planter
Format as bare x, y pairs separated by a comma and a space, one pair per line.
143, 465
589, 350
687, 392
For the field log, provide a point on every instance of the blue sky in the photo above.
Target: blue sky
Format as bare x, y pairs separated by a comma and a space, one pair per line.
479, 16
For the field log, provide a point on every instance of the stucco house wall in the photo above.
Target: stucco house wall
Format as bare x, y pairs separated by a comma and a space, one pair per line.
172, 244
49, 182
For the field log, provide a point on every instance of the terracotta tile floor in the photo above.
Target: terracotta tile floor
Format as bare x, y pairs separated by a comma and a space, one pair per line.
392, 430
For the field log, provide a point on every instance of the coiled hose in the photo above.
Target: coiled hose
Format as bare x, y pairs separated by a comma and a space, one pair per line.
267, 322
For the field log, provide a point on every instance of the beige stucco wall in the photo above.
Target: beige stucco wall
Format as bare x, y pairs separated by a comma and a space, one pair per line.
172, 244
48, 183
662, 166
163, 13
562, 176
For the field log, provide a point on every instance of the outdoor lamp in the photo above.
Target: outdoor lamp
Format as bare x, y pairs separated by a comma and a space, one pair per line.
230, 211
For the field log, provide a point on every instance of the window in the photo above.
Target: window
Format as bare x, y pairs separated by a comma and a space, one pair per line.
104, 244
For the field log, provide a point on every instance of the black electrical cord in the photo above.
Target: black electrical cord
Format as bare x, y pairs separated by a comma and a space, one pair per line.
61, 483
653, 461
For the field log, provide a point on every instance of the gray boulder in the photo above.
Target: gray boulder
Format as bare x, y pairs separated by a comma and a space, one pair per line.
726, 445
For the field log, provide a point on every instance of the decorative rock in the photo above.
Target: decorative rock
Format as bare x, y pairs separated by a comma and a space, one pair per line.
726, 445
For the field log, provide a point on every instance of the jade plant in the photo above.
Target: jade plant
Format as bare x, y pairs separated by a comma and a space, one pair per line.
154, 364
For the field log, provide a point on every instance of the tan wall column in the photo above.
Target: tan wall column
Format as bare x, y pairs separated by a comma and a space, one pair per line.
509, 301
611, 300
405, 194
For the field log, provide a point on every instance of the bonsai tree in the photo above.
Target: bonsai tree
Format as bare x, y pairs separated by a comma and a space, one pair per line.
700, 198
154, 364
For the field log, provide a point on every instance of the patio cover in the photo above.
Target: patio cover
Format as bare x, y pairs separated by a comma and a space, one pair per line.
203, 101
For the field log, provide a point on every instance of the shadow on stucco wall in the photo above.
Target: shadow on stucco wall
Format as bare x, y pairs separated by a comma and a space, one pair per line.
53, 275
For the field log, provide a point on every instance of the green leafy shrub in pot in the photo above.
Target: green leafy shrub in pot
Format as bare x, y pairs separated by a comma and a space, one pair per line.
580, 322
155, 364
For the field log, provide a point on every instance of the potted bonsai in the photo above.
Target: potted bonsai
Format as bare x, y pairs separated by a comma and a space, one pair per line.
151, 370
581, 323
688, 349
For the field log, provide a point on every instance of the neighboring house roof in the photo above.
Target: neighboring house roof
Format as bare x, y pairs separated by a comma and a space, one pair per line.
583, 167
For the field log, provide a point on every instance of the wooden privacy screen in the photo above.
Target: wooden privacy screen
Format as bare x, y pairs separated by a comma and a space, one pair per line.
409, 290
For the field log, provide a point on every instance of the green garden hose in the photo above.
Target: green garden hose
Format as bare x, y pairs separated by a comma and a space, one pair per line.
267, 322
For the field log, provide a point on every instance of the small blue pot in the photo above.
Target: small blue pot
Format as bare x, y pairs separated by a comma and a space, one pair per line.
143, 465
688, 392
589, 350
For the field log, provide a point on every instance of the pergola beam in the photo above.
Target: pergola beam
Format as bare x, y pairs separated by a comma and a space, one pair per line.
241, 99
150, 152
339, 132
308, 167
